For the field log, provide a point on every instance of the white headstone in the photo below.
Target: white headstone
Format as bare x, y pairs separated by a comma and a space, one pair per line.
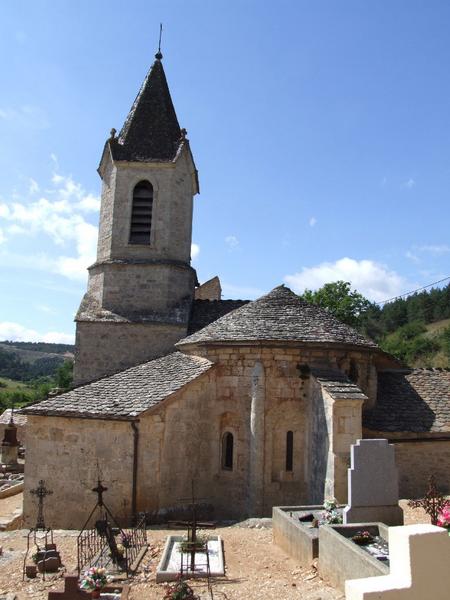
419, 567
373, 484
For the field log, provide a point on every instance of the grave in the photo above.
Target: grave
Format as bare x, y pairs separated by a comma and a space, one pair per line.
192, 555
373, 484
294, 533
208, 561
340, 558
9, 448
72, 591
419, 567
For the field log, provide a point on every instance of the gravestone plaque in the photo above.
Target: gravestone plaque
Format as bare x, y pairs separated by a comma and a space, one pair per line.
373, 484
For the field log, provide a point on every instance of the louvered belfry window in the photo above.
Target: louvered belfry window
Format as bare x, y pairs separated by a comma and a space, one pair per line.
141, 214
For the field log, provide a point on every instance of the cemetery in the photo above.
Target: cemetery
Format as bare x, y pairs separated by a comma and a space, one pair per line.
311, 549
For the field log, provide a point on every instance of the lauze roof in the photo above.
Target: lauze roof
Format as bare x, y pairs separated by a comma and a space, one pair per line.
280, 315
413, 401
128, 393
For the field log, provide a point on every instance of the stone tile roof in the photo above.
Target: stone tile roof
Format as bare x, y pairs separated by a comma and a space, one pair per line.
411, 401
280, 315
205, 312
151, 130
126, 394
337, 384
18, 419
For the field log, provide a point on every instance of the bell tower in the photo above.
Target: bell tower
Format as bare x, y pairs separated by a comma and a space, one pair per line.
141, 287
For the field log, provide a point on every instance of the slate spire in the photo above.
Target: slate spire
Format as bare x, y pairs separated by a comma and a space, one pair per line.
151, 130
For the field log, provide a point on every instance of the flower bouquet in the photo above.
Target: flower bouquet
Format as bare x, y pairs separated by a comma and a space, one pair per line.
362, 538
180, 590
443, 519
331, 515
94, 580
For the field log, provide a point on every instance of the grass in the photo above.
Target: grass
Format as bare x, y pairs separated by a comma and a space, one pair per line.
437, 327
11, 385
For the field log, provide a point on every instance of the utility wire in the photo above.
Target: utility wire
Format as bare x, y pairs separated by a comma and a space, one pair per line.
413, 291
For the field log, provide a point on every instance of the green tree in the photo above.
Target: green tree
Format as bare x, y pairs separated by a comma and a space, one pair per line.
340, 300
64, 375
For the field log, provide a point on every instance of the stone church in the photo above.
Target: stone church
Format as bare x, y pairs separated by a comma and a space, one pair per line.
258, 401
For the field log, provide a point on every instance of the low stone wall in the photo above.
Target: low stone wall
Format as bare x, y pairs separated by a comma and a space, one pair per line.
299, 542
416, 461
341, 559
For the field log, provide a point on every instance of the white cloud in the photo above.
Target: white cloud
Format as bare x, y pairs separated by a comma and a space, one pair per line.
232, 242
34, 186
312, 221
18, 333
195, 251
374, 280
2, 237
434, 249
59, 214
409, 183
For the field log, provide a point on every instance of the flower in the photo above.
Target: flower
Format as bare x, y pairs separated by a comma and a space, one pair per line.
444, 517
94, 579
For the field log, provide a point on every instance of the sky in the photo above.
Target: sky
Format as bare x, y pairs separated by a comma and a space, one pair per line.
320, 130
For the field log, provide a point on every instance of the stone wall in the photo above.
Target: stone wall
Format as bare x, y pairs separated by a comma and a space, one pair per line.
106, 348
64, 452
416, 461
253, 392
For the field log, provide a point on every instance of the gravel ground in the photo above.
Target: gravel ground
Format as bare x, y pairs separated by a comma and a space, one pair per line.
255, 567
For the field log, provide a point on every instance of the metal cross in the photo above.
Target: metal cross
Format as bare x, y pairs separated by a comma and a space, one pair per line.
99, 491
433, 502
159, 55
41, 492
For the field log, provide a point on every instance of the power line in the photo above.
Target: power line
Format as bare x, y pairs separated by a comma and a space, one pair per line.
413, 291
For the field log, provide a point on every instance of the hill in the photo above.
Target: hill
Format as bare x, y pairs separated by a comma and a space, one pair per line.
25, 361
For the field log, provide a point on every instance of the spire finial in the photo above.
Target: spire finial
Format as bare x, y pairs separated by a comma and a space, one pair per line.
158, 55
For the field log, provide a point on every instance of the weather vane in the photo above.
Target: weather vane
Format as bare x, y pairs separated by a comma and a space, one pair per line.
158, 55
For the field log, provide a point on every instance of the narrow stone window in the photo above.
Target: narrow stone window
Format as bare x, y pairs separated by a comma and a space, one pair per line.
353, 372
289, 450
141, 213
227, 451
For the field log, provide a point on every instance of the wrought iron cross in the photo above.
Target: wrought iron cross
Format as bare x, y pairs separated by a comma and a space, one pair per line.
99, 490
41, 492
433, 502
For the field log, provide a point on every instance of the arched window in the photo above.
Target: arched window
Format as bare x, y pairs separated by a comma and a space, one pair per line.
289, 450
227, 451
141, 213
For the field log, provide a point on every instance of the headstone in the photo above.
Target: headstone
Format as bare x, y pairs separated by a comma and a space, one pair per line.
419, 559
49, 565
9, 448
373, 484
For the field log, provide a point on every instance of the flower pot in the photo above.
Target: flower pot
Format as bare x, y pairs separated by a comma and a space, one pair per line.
31, 571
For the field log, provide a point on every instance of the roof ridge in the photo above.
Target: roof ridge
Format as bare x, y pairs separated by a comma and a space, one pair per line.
279, 315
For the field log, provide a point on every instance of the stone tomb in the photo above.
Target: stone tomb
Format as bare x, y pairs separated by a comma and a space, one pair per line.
419, 561
373, 484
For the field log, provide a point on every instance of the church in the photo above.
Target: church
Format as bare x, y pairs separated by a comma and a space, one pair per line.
258, 402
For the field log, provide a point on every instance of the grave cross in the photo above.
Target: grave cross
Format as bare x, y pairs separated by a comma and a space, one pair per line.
192, 525
41, 492
99, 490
433, 502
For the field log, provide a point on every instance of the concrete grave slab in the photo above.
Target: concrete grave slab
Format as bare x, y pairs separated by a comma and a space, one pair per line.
170, 563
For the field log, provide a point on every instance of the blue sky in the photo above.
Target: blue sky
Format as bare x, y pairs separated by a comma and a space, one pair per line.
320, 130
